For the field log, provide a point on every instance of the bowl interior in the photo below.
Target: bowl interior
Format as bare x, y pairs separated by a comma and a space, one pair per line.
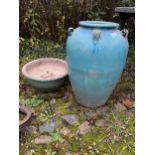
46, 69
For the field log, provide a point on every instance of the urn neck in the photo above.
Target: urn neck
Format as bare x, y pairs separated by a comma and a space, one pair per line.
99, 24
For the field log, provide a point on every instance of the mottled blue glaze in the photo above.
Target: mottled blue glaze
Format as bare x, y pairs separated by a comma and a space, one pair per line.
96, 56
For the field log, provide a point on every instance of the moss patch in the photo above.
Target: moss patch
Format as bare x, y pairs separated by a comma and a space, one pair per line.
115, 138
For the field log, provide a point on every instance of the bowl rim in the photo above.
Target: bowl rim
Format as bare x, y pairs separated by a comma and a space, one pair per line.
27, 118
42, 59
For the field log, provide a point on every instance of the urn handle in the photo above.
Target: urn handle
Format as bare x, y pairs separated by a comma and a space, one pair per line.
96, 34
70, 30
125, 33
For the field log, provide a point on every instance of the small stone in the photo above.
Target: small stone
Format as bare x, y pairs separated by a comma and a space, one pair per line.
84, 128
54, 94
30, 152
52, 102
120, 107
100, 123
65, 131
128, 103
69, 153
128, 114
47, 127
91, 115
70, 119
70, 107
91, 121
32, 129
66, 97
102, 110
43, 139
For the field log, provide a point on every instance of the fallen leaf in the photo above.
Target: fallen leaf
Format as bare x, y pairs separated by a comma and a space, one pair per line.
128, 103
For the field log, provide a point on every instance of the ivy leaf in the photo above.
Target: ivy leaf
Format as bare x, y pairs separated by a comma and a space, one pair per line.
56, 137
33, 102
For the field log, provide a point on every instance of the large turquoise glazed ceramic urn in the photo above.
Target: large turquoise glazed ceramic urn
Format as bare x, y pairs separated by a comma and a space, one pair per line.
96, 56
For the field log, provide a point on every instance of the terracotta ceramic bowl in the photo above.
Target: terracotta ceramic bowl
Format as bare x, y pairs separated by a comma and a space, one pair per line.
46, 74
27, 115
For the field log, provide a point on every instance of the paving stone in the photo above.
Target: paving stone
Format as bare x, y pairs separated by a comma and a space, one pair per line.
47, 127
100, 123
120, 107
102, 110
65, 131
84, 128
43, 139
91, 115
32, 129
70, 119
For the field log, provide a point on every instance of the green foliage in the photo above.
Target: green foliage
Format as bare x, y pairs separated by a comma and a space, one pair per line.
126, 3
24, 43
56, 137
39, 50
31, 19
35, 101
43, 118
50, 19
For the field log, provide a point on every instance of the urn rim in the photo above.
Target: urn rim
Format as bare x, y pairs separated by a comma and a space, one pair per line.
98, 24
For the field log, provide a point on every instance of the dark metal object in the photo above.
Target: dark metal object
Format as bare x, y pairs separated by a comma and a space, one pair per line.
125, 12
27, 119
